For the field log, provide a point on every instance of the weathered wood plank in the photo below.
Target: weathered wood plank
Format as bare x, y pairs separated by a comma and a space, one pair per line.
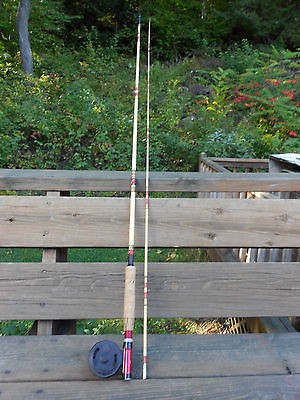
241, 162
81, 291
159, 181
232, 388
103, 222
211, 166
50, 358
48, 327
270, 325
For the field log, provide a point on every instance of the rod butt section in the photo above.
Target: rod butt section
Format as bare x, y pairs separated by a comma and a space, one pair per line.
144, 370
127, 356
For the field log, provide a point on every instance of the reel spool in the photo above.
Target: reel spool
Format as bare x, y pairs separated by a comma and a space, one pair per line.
105, 359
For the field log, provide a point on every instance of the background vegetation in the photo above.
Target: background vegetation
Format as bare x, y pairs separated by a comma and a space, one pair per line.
224, 80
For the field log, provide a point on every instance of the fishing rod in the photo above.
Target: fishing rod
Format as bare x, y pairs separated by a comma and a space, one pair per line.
130, 270
105, 357
146, 246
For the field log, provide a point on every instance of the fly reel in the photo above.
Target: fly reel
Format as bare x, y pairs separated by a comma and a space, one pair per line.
105, 359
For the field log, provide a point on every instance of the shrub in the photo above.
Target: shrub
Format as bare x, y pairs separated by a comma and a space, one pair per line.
77, 111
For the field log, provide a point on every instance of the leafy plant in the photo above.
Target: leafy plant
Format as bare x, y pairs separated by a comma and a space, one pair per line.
240, 57
13, 328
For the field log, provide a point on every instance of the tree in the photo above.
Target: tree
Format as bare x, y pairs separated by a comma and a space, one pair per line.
23, 35
260, 22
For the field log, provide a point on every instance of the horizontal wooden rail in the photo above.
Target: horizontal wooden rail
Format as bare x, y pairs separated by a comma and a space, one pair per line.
228, 388
209, 165
170, 356
54, 180
103, 222
89, 291
241, 162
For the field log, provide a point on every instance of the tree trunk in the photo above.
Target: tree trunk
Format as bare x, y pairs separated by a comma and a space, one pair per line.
23, 34
203, 9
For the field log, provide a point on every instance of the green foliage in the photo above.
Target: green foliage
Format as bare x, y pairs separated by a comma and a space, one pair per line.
182, 28
177, 27
253, 111
240, 57
271, 21
76, 112
269, 98
48, 24
62, 122
8, 36
155, 326
13, 328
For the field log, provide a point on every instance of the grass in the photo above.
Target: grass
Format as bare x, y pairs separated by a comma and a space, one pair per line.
105, 254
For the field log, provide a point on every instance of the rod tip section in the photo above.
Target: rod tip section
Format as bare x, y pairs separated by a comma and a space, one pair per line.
139, 19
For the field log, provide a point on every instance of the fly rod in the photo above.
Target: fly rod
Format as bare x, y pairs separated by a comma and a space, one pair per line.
145, 322
130, 270
105, 357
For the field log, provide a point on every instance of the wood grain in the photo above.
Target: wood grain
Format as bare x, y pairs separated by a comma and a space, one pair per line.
180, 366
48, 327
103, 222
241, 162
50, 358
159, 181
83, 291
232, 388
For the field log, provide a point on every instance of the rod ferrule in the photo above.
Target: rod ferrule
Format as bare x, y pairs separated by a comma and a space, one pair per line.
130, 258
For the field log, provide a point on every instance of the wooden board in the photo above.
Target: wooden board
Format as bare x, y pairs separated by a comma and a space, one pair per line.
50, 358
82, 291
241, 162
270, 325
103, 222
232, 388
159, 181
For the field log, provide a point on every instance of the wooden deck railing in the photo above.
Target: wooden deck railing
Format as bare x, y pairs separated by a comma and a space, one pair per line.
234, 165
49, 210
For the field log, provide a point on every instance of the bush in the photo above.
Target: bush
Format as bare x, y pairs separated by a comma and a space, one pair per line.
55, 121
77, 111
240, 57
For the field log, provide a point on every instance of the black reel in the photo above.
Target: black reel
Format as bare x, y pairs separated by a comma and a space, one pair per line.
105, 359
